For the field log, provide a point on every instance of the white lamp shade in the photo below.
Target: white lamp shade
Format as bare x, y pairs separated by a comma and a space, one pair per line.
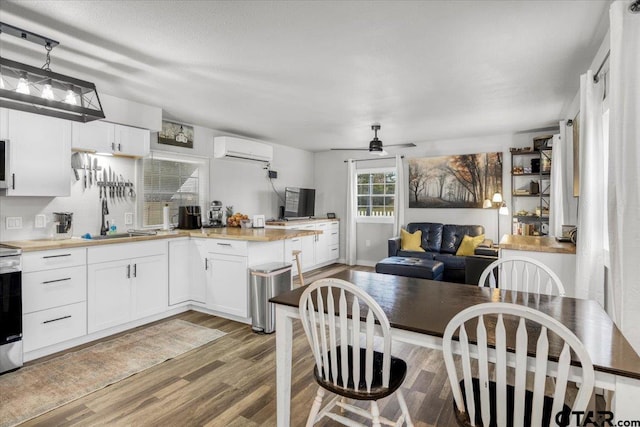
504, 210
497, 198
487, 204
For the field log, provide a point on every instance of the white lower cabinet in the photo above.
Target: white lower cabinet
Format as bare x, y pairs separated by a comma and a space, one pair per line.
316, 251
54, 294
126, 289
227, 284
54, 325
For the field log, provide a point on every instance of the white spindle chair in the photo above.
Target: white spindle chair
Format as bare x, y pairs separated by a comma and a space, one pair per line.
486, 402
522, 274
344, 349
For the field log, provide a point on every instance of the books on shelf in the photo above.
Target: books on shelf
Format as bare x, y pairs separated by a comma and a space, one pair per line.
523, 229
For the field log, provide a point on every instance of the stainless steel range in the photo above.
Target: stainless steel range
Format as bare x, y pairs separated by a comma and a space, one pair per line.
10, 309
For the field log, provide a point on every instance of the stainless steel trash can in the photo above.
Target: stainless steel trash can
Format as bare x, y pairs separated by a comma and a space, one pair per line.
267, 280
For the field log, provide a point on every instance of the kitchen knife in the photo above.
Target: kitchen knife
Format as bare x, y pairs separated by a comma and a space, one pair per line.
84, 170
75, 164
89, 162
95, 168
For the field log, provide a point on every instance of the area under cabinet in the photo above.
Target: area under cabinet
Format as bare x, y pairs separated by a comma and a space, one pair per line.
126, 282
54, 297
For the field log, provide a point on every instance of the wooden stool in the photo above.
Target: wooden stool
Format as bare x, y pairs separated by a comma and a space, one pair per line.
296, 253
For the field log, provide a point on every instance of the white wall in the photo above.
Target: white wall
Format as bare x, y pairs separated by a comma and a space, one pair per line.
331, 179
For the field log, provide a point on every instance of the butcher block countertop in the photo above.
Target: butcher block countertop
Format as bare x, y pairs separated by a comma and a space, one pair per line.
294, 222
230, 233
536, 244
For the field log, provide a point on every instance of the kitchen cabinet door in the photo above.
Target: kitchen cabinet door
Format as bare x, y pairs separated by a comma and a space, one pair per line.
180, 271
308, 248
228, 287
109, 301
40, 155
95, 136
149, 286
199, 269
323, 249
132, 141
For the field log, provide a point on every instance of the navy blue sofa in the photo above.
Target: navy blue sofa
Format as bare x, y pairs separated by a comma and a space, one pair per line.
441, 242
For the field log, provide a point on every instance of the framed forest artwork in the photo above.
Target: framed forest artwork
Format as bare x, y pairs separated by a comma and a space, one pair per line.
459, 181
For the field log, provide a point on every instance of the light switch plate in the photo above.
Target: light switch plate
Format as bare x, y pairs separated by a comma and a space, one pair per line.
14, 222
40, 221
128, 218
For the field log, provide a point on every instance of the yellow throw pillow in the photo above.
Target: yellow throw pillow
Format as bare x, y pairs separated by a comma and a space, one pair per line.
411, 241
469, 244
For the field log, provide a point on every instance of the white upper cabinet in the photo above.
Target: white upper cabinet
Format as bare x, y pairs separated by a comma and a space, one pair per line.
39, 154
103, 137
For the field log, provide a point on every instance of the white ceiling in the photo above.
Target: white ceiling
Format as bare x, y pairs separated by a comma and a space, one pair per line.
315, 75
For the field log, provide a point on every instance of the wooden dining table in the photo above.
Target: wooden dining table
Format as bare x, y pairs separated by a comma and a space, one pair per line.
419, 311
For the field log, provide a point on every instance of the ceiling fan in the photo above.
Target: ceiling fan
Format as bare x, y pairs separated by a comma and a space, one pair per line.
375, 146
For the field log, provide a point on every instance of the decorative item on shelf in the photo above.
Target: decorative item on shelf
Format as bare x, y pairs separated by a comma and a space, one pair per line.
40, 90
534, 187
541, 142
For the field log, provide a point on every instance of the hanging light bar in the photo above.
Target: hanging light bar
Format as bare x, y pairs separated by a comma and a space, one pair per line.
41, 91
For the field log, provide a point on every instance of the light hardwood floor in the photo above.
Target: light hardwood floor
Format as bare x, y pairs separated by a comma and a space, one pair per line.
231, 382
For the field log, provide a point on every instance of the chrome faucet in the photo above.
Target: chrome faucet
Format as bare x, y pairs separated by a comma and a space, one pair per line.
105, 211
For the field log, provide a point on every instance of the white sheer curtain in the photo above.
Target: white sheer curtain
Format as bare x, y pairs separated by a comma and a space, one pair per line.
590, 246
352, 209
557, 206
624, 178
399, 199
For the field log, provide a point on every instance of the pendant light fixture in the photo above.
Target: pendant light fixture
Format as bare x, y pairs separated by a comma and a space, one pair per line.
40, 90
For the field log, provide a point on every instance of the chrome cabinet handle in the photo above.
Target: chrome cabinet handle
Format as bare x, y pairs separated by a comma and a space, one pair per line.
135, 270
129, 271
113, 146
56, 280
55, 256
13, 181
119, 147
206, 263
223, 244
55, 320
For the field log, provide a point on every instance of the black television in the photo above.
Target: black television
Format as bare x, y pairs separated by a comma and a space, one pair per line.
299, 202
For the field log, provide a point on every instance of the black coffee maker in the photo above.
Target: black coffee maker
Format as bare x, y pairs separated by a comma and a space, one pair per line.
189, 217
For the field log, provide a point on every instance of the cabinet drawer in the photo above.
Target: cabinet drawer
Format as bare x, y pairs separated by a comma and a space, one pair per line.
53, 288
335, 225
227, 247
54, 326
334, 237
335, 252
127, 250
58, 258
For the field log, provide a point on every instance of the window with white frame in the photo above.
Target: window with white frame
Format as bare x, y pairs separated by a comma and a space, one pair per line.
174, 180
376, 194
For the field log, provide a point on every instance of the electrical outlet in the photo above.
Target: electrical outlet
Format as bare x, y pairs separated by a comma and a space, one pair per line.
40, 221
14, 222
128, 218
273, 174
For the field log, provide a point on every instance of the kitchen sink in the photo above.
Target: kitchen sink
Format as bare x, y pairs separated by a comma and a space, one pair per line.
123, 235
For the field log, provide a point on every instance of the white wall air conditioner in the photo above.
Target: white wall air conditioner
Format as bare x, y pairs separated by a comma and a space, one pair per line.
237, 148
